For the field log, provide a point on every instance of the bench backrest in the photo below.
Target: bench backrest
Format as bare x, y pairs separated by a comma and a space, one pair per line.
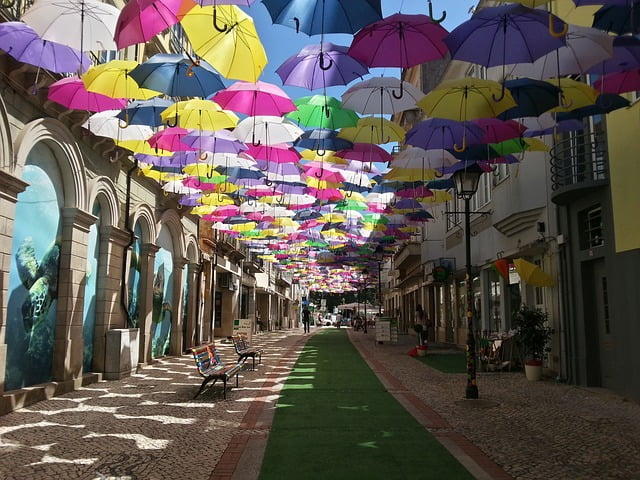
206, 358
240, 342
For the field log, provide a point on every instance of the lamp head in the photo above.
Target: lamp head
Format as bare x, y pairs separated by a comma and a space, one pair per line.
466, 180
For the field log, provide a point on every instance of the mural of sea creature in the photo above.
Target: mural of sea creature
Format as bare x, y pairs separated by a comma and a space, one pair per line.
158, 295
41, 281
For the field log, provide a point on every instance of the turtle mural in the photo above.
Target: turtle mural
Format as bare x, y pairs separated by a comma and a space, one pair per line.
161, 314
40, 278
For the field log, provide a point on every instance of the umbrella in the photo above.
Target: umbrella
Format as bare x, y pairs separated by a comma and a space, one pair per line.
373, 130
381, 95
440, 133
605, 103
113, 79
86, 25
585, 47
177, 75
220, 141
70, 92
532, 274
496, 131
322, 111
267, 130
466, 99
169, 139
574, 94
321, 66
21, 42
533, 98
106, 124
415, 157
322, 140
626, 56
620, 19
144, 112
200, 114
619, 82
258, 98
365, 152
141, 20
399, 40
324, 16
234, 50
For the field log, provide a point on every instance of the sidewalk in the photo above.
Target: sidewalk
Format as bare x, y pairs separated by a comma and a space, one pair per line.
149, 427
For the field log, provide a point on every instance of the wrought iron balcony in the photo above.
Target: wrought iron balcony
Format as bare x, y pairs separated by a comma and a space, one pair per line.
578, 163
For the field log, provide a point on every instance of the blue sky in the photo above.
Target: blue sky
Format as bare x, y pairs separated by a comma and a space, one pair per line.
282, 42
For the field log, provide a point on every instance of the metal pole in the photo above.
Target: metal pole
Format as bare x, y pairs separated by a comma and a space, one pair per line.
472, 387
365, 304
379, 289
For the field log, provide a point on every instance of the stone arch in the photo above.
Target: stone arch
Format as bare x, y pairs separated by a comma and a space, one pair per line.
192, 249
143, 213
66, 151
103, 190
171, 219
6, 145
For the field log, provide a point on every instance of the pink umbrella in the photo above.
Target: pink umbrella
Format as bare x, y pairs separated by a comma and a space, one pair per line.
496, 131
325, 193
71, 93
170, 139
141, 20
365, 152
280, 153
399, 40
252, 99
620, 82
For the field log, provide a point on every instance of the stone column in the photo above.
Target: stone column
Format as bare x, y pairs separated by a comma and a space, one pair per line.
177, 307
10, 187
68, 342
193, 270
109, 310
145, 299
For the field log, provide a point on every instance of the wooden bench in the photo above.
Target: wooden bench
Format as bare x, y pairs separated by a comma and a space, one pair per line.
211, 368
245, 351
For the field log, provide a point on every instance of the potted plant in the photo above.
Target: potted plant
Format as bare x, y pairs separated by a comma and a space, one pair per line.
532, 336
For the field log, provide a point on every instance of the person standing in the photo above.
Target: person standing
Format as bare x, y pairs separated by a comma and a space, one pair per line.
421, 319
306, 319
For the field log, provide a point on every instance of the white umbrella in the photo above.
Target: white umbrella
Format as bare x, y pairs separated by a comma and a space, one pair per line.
106, 124
176, 186
586, 47
82, 24
416, 157
381, 95
267, 130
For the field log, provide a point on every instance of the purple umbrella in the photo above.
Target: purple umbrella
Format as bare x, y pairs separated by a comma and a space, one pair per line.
626, 56
21, 42
439, 133
320, 66
220, 141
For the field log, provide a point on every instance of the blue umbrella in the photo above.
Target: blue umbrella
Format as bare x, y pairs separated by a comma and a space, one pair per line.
620, 19
605, 103
321, 140
177, 76
324, 16
144, 112
533, 98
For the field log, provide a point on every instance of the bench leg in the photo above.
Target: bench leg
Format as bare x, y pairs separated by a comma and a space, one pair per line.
254, 362
204, 384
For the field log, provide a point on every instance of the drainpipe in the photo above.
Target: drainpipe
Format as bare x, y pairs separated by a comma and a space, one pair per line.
132, 238
198, 291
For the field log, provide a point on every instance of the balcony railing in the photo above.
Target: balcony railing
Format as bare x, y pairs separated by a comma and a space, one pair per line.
578, 161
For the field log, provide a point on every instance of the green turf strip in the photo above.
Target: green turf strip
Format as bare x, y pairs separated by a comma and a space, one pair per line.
446, 362
335, 420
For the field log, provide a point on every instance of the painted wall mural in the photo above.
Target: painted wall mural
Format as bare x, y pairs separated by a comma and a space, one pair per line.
90, 291
33, 275
162, 296
134, 277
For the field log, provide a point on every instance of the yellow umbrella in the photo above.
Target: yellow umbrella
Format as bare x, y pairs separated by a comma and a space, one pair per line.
200, 170
112, 79
215, 199
411, 174
232, 47
574, 94
329, 157
243, 227
141, 146
203, 209
467, 99
148, 171
532, 274
439, 196
199, 114
321, 184
373, 130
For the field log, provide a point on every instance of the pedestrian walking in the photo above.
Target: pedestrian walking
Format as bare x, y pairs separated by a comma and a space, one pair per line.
306, 319
421, 319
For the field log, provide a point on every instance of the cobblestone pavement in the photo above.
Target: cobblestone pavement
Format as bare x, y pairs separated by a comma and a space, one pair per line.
149, 426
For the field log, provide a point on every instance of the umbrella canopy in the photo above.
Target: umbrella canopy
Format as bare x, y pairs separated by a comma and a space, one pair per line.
619, 82
532, 274
177, 76
324, 16
144, 112
626, 56
381, 95
235, 49
573, 94
533, 98
617, 18
365, 152
399, 40
322, 140
113, 79
415, 157
220, 141
466, 99
141, 20
440, 133
506, 34
199, 114
22, 42
106, 124
258, 98
86, 25
322, 111
320, 66
373, 130
605, 103
267, 130
70, 92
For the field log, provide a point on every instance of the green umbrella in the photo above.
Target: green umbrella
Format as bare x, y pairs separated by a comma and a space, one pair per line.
322, 111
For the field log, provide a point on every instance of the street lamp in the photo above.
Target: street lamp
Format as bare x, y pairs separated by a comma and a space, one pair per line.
378, 256
466, 182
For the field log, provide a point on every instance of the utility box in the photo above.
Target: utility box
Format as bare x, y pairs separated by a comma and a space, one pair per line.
122, 353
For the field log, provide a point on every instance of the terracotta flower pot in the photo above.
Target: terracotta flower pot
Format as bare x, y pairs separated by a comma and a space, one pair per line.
422, 350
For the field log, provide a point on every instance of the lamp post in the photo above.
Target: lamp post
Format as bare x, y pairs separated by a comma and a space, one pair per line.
378, 255
466, 182
365, 273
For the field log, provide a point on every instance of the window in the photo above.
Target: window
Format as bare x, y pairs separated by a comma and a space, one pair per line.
500, 173
590, 225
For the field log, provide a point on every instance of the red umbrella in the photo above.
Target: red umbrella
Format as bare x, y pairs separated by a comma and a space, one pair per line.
496, 131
